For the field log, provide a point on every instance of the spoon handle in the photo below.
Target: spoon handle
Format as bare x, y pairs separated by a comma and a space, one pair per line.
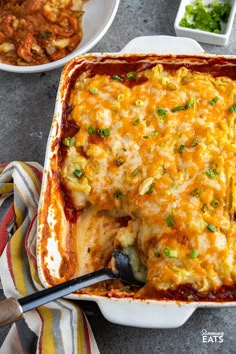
12, 309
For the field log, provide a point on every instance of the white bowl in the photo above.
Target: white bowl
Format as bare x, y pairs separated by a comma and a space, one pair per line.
97, 18
203, 36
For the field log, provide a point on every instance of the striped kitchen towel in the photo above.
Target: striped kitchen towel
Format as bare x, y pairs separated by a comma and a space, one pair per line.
59, 327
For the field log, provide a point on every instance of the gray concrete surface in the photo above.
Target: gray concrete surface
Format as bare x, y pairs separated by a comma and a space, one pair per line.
26, 110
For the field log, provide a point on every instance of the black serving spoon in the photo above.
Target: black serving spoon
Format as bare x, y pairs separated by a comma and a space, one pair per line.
12, 309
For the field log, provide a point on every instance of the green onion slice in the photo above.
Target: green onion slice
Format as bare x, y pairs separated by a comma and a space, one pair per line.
168, 252
120, 97
131, 75
139, 103
117, 78
154, 133
103, 132
181, 149
94, 91
211, 227
119, 161
193, 254
203, 208
214, 100
118, 194
177, 109
151, 188
69, 141
195, 142
171, 86
232, 109
215, 203
169, 221
196, 192
162, 112
211, 173
91, 129
78, 173
190, 103
136, 121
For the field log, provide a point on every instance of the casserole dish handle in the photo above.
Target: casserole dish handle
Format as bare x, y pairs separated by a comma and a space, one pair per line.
163, 45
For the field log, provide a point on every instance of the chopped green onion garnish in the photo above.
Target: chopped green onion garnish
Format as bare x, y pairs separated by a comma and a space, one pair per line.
171, 86
119, 161
203, 208
168, 252
169, 221
195, 141
135, 172
151, 188
124, 149
190, 297
69, 141
106, 131
181, 149
78, 173
117, 78
94, 90
210, 173
139, 103
190, 103
120, 97
232, 109
211, 227
157, 254
145, 137
154, 133
136, 121
118, 194
193, 254
196, 192
215, 203
103, 132
131, 76
162, 112
91, 129
178, 108
206, 16
214, 100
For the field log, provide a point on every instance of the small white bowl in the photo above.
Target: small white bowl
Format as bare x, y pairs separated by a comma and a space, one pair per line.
203, 36
97, 18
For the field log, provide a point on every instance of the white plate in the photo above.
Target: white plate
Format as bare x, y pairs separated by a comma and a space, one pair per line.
97, 18
129, 312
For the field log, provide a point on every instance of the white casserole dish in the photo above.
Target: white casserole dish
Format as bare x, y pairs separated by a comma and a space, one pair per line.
125, 311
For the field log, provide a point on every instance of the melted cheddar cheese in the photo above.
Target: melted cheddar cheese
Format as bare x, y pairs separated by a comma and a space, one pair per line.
163, 152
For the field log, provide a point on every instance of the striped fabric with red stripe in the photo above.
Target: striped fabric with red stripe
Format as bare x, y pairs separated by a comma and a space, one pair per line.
40, 329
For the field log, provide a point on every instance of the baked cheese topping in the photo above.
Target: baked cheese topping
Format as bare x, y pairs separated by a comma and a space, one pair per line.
163, 152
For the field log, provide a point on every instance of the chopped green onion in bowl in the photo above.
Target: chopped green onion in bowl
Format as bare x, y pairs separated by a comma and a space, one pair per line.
206, 17
211, 24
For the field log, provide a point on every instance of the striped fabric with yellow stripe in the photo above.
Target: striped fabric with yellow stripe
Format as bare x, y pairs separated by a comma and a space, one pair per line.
61, 327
